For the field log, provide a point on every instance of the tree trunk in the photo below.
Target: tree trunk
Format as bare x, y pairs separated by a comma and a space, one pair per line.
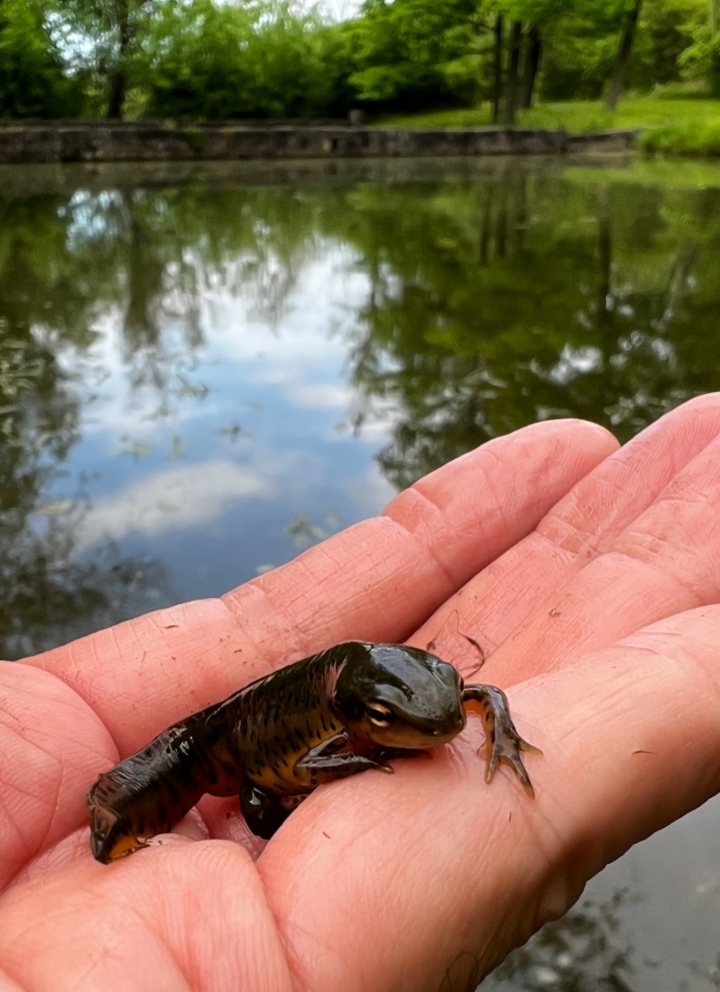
511, 95
498, 81
117, 81
623, 56
533, 53
116, 94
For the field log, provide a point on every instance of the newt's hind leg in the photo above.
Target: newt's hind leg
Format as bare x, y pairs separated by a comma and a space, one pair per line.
263, 811
502, 741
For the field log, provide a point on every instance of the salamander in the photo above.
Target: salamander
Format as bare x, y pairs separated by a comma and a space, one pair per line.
350, 708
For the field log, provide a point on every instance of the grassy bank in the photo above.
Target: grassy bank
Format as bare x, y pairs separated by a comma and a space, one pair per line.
689, 125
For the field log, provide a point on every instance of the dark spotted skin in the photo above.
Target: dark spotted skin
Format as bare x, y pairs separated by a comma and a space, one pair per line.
334, 714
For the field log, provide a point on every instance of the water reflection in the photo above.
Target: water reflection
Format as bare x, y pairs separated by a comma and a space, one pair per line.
192, 367
586, 951
497, 304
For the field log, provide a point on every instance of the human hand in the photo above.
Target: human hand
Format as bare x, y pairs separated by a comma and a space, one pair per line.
424, 879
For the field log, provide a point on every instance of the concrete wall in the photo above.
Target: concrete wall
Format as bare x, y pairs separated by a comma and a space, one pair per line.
153, 142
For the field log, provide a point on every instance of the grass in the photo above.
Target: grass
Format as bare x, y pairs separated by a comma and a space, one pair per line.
702, 138
674, 123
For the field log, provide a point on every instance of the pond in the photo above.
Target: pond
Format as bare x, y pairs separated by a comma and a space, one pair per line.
205, 369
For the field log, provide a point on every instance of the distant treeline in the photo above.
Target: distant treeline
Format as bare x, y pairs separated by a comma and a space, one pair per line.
275, 58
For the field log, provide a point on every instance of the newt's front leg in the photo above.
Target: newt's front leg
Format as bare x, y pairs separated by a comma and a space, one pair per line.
502, 741
328, 761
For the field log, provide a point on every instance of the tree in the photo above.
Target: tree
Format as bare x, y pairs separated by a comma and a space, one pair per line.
627, 38
497, 68
32, 78
516, 37
533, 52
204, 60
528, 20
414, 53
102, 34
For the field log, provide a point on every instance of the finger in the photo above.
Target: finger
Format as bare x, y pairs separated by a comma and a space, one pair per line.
439, 868
583, 525
374, 581
50, 745
666, 562
185, 916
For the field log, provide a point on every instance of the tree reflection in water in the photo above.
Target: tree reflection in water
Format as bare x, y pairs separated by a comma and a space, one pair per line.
510, 294
498, 304
47, 593
585, 951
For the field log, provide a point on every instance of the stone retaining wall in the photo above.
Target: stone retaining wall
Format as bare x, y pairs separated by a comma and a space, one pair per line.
149, 142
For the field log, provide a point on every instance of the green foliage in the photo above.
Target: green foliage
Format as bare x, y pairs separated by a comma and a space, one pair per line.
664, 36
702, 61
409, 53
580, 50
200, 60
32, 80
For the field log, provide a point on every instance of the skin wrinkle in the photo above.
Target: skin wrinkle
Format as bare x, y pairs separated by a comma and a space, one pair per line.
300, 638
497, 514
235, 606
412, 504
432, 558
8, 819
8, 984
665, 668
289, 958
700, 588
483, 607
60, 781
366, 558
232, 606
93, 963
164, 947
169, 950
569, 537
704, 667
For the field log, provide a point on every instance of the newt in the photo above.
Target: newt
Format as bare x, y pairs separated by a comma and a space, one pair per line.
348, 709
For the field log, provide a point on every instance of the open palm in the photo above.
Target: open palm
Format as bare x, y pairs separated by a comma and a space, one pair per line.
590, 579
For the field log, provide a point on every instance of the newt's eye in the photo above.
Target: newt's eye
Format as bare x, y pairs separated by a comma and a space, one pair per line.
380, 715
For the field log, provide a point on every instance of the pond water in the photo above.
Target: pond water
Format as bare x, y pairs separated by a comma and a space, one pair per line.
205, 369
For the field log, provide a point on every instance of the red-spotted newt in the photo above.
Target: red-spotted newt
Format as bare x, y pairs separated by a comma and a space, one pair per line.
348, 709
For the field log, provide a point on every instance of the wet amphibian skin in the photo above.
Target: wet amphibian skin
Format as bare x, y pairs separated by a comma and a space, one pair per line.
353, 707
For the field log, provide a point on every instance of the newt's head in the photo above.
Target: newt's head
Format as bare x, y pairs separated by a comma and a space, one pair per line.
398, 697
